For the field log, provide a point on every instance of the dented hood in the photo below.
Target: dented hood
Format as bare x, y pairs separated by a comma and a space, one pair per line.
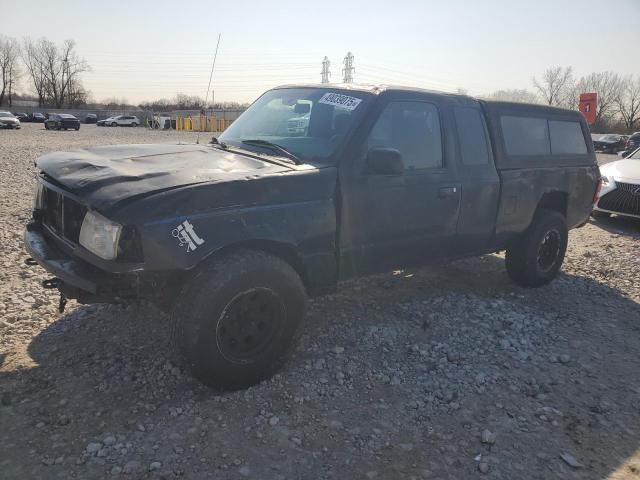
104, 176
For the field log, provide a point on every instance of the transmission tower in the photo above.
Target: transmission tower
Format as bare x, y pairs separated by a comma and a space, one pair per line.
348, 69
325, 70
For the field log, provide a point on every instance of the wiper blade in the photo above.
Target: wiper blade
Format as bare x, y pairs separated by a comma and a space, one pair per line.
274, 147
215, 141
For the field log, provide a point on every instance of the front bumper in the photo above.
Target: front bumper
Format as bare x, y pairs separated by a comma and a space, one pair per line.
622, 199
85, 282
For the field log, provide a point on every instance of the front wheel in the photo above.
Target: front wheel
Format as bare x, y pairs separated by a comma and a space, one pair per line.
46, 126
535, 258
238, 318
114, 124
134, 124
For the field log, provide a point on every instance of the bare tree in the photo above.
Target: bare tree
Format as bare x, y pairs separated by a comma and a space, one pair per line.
608, 87
32, 61
54, 70
554, 85
627, 103
9, 68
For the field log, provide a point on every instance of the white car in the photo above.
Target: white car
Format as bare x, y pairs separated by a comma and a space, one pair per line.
9, 120
122, 121
620, 193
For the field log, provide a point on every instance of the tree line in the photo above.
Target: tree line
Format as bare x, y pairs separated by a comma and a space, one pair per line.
53, 71
618, 106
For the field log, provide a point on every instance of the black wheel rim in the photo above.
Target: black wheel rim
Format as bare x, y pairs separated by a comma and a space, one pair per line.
549, 250
249, 324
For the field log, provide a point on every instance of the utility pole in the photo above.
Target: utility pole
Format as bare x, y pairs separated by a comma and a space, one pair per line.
325, 70
348, 69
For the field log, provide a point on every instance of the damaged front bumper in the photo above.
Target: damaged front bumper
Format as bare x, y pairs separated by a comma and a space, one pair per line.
80, 280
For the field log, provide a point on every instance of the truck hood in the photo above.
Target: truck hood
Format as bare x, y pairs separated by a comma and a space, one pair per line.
627, 169
104, 176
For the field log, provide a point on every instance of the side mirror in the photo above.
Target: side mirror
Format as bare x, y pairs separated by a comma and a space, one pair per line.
384, 161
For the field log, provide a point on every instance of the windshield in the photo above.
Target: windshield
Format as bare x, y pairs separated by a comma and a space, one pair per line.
310, 123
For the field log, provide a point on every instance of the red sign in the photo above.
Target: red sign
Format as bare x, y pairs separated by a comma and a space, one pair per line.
588, 103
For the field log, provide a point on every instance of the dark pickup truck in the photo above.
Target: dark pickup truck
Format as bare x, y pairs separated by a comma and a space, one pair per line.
310, 186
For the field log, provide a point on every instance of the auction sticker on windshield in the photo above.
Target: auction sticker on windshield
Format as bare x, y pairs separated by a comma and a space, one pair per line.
342, 101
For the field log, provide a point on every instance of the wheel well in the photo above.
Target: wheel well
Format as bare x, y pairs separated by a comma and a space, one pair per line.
556, 201
283, 251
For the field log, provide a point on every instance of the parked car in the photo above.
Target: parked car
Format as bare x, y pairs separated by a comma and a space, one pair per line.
611, 143
91, 118
37, 117
233, 236
620, 192
61, 121
122, 121
633, 141
9, 120
23, 117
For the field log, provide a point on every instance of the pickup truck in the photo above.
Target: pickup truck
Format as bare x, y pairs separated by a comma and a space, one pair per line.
233, 236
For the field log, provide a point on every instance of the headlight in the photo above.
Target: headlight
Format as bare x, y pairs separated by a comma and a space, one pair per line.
606, 181
100, 235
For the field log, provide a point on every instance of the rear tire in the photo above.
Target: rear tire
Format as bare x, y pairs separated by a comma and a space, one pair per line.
134, 124
238, 318
535, 258
46, 127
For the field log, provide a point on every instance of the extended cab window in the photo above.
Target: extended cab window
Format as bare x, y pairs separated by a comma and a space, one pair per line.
566, 138
471, 133
525, 135
412, 128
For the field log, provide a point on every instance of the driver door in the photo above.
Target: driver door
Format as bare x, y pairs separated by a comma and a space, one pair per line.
392, 221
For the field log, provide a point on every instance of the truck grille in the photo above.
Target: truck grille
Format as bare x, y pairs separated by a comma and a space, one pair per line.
624, 199
62, 214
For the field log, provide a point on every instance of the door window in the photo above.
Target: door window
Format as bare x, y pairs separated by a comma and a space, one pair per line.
471, 133
412, 128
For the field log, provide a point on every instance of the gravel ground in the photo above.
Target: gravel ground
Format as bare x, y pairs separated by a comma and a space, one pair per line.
447, 372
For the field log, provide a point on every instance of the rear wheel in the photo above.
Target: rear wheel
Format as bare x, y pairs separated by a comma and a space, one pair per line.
535, 258
134, 124
238, 318
46, 126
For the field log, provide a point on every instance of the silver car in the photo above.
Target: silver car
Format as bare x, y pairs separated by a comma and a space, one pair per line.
9, 120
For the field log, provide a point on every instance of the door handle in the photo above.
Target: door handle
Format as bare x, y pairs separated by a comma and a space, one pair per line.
447, 191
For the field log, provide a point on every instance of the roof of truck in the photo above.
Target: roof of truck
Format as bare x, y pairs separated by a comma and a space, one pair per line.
376, 89
369, 88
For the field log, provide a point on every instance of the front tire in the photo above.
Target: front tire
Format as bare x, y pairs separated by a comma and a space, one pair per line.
535, 258
237, 319
134, 124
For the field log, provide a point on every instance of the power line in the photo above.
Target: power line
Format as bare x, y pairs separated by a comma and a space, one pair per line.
348, 69
325, 74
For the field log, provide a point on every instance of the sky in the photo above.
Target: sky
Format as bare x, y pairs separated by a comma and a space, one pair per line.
143, 50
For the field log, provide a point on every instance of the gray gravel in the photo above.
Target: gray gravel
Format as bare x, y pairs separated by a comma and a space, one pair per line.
447, 372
